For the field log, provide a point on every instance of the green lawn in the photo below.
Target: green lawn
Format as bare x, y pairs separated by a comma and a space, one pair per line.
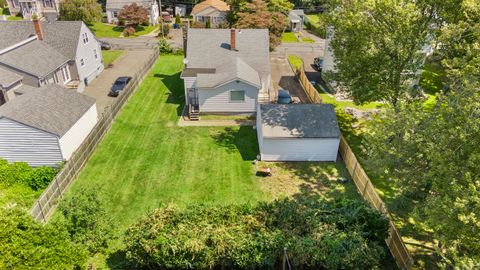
146, 161
295, 61
110, 56
108, 30
433, 77
14, 18
316, 24
307, 40
289, 37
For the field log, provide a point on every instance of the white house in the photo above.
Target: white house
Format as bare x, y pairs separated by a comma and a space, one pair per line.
296, 19
226, 71
44, 126
28, 8
214, 11
113, 7
62, 52
297, 132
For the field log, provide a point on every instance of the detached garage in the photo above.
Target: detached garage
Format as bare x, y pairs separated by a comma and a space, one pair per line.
298, 132
44, 126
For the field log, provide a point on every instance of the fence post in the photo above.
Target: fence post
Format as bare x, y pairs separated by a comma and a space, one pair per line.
41, 210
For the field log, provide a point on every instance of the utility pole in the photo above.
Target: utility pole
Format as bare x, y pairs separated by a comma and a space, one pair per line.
284, 258
161, 17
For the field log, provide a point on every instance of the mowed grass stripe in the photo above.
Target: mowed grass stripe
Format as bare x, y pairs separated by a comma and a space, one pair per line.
146, 161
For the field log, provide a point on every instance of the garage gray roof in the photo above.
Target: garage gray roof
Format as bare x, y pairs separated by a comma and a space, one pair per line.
210, 49
51, 108
7, 78
299, 121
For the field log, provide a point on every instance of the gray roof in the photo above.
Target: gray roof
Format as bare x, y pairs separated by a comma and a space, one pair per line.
36, 58
59, 45
119, 4
296, 15
210, 49
7, 78
237, 69
298, 12
13, 32
299, 121
51, 108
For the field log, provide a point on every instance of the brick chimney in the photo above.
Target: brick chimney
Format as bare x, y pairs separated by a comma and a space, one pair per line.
38, 28
232, 40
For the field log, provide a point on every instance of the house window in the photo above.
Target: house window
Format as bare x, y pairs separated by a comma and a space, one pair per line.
115, 14
95, 53
85, 38
237, 96
82, 62
47, 3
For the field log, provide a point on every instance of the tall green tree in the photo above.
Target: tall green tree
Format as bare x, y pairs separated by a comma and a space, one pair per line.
88, 11
376, 46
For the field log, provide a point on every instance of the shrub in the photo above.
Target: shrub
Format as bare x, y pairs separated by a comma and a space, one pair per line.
84, 218
318, 234
27, 244
164, 46
178, 21
129, 31
21, 173
41, 177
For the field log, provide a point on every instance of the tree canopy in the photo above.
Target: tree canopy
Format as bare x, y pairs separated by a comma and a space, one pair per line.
88, 11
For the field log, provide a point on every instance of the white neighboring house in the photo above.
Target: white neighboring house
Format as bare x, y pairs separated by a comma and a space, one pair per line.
297, 132
296, 18
226, 71
28, 8
44, 126
62, 52
214, 11
113, 7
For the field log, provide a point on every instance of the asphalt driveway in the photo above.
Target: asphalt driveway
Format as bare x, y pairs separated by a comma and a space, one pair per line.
126, 65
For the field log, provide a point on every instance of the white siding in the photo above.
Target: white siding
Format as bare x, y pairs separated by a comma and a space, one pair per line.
259, 128
299, 149
188, 82
71, 140
93, 67
218, 99
19, 142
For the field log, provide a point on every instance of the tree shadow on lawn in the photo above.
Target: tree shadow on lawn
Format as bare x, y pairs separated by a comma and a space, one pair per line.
242, 140
119, 260
175, 90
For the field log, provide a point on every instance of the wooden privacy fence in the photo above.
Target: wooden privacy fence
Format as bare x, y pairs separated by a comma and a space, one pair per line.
44, 206
307, 86
367, 190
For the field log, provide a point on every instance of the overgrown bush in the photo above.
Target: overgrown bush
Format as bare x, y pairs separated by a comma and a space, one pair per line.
318, 234
84, 218
21, 173
164, 46
27, 244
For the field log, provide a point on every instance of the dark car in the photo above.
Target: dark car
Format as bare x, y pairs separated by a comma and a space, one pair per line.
318, 63
118, 86
284, 97
104, 45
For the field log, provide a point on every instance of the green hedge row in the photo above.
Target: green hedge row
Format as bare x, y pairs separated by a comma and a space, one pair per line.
317, 234
21, 173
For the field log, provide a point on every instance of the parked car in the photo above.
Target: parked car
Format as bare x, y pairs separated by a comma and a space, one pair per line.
104, 45
118, 86
284, 97
318, 63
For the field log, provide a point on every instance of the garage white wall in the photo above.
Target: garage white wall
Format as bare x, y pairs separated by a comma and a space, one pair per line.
74, 137
299, 149
19, 142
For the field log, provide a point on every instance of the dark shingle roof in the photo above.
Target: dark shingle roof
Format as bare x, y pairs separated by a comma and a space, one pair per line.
7, 78
210, 48
63, 36
13, 32
299, 121
51, 108
36, 58
236, 69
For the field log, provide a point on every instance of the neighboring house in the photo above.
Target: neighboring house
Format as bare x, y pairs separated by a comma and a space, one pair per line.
44, 126
28, 8
297, 132
214, 11
181, 10
114, 7
226, 71
296, 19
63, 52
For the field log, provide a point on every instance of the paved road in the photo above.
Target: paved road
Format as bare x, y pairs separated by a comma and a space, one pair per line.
126, 65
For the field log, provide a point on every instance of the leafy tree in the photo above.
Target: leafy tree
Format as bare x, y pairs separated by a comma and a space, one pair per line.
257, 15
83, 216
21, 173
319, 234
26, 244
376, 46
88, 11
283, 6
133, 15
